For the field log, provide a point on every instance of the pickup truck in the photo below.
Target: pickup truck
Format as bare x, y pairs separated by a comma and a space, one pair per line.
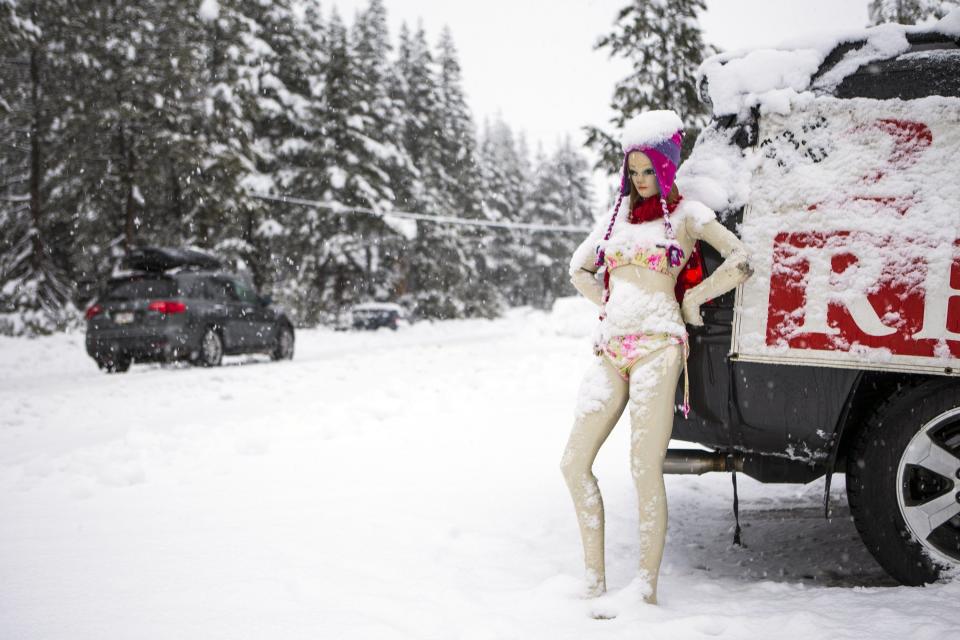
842, 353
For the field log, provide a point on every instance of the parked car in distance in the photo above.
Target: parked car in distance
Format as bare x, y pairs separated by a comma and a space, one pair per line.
373, 315
167, 304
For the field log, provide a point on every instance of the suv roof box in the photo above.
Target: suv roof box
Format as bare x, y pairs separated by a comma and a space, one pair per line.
164, 258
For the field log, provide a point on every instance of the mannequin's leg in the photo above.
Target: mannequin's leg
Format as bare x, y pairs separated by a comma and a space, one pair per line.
653, 383
602, 397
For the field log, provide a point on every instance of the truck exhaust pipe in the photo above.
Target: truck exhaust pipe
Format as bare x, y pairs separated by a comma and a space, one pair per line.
699, 461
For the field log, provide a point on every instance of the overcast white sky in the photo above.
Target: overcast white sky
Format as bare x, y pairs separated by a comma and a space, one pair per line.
533, 61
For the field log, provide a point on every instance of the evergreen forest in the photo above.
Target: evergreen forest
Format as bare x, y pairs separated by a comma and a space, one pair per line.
131, 123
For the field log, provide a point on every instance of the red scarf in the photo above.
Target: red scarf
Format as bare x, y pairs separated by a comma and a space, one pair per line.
692, 272
649, 209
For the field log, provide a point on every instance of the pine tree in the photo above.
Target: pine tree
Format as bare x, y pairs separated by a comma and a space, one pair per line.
129, 122
406, 178
345, 167
907, 11
436, 266
379, 152
289, 38
664, 44
460, 184
562, 197
35, 291
506, 171
127, 84
225, 215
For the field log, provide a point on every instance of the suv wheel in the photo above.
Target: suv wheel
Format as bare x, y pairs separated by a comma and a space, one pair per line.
211, 349
114, 365
903, 482
284, 347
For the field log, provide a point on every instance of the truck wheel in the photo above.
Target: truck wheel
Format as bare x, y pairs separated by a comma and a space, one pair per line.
903, 482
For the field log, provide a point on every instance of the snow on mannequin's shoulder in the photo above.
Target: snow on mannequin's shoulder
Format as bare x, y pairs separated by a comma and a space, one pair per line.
626, 236
695, 213
650, 128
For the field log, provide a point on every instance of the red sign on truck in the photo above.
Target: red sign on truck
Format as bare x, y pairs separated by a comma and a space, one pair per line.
854, 229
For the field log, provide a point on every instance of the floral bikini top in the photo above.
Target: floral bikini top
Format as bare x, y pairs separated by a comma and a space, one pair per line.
645, 251
644, 245
653, 258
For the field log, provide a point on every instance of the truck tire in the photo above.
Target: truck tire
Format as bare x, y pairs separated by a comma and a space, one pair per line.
903, 482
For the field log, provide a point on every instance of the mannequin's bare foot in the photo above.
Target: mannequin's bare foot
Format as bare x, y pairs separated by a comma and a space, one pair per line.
603, 607
596, 585
645, 587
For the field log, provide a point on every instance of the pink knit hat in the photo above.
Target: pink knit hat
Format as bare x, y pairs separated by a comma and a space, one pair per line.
658, 135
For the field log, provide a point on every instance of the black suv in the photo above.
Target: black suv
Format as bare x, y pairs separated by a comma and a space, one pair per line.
174, 304
894, 433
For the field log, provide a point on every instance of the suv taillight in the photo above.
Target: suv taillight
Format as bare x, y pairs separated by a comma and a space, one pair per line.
92, 311
167, 306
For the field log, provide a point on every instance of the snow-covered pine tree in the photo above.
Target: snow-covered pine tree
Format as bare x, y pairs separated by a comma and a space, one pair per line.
378, 130
664, 44
302, 168
907, 11
225, 214
436, 266
35, 291
345, 169
290, 39
406, 179
132, 82
562, 196
460, 183
506, 175
321, 279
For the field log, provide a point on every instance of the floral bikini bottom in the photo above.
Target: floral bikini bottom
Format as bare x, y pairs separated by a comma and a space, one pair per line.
624, 351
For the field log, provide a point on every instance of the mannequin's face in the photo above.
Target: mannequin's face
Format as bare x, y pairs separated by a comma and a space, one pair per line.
642, 175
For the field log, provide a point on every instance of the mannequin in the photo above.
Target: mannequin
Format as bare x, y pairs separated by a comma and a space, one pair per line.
641, 341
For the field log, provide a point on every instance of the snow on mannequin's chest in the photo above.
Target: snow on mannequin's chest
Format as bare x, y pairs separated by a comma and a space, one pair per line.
633, 307
626, 237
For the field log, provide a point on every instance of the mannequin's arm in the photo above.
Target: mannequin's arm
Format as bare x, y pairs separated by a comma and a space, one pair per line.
583, 271
734, 269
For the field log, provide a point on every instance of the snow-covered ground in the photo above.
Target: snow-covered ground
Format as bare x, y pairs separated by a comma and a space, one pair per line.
387, 485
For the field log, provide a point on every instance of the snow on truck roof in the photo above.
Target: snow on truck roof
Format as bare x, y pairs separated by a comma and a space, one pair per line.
775, 78
777, 81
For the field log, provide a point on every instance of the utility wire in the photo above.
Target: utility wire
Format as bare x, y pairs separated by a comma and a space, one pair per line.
340, 209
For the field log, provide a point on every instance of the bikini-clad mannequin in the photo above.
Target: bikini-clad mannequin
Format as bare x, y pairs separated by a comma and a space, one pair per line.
641, 340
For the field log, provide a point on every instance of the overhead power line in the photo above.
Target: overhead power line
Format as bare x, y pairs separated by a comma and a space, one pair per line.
340, 209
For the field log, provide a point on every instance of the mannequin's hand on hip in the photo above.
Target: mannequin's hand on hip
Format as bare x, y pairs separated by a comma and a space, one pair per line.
691, 312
